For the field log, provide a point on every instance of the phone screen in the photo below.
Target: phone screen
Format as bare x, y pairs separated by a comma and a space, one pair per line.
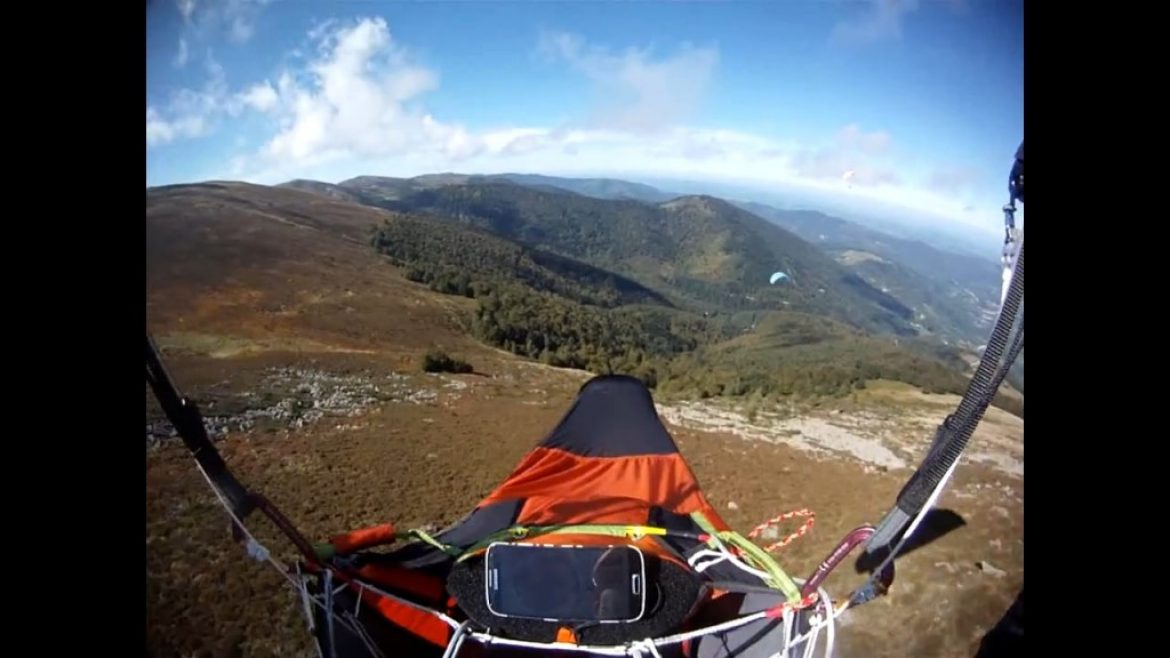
565, 583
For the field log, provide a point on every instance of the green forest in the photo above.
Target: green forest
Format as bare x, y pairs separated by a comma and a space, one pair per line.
564, 312
698, 252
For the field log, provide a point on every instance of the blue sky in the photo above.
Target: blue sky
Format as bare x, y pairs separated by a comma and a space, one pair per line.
910, 104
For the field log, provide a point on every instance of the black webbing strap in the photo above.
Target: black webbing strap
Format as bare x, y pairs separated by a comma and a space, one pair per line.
952, 435
188, 422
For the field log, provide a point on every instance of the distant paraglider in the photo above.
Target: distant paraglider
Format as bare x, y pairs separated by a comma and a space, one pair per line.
776, 277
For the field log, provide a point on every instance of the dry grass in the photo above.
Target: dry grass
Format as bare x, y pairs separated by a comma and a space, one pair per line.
230, 310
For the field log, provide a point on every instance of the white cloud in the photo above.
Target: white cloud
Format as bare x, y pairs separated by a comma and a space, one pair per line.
241, 29
354, 101
186, 8
953, 179
637, 90
189, 113
852, 150
854, 138
181, 55
685, 153
260, 97
233, 19
878, 21
160, 131
355, 107
204, 20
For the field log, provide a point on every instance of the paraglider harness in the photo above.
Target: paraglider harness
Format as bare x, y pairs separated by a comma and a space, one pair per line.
803, 606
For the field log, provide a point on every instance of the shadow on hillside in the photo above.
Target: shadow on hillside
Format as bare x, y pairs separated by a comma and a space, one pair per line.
936, 523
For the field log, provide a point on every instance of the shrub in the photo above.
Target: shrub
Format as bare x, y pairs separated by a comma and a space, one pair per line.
440, 361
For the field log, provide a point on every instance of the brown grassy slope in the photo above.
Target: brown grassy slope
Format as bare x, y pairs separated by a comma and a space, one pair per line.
250, 268
235, 289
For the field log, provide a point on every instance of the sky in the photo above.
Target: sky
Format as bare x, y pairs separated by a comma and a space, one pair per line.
899, 104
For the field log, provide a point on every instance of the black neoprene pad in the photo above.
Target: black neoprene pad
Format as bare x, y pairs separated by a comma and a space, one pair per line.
667, 606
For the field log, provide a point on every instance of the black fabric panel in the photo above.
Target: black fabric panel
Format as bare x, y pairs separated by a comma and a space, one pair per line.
759, 639
728, 573
663, 518
482, 522
722, 571
682, 546
1006, 638
677, 594
687, 547
613, 416
473, 528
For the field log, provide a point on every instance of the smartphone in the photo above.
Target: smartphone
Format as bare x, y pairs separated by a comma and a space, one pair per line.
603, 584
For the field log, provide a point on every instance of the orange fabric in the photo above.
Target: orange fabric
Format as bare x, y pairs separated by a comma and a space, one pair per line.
561, 487
567, 635
422, 624
396, 577
364, 538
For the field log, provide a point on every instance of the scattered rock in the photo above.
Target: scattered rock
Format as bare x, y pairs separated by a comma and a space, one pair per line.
996, 544
987, 568
815, 435
297, 397
732, 506
432, 455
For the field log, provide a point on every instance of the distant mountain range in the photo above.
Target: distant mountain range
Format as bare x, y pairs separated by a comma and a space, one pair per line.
672, 290
952, 295
700, 252
382, 188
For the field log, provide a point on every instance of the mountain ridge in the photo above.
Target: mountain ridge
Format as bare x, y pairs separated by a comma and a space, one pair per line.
922, 270
702, 250
535, 304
